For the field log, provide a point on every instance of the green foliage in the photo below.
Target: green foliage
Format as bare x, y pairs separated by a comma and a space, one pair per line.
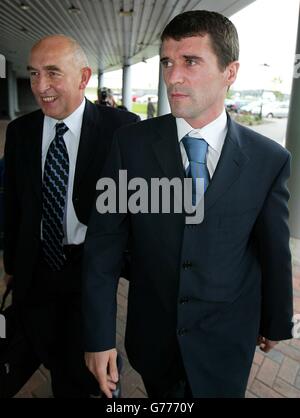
279, 95
141, 108
248, 119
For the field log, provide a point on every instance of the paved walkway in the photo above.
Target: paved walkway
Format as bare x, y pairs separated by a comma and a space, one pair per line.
273, 375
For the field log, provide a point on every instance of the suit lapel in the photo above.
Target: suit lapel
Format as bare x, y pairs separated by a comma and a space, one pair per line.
232, 161
88, 137
35, 131
167, 149
167, 153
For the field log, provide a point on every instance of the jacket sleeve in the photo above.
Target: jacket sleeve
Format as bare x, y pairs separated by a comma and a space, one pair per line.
11, 204
105, 243
272, 234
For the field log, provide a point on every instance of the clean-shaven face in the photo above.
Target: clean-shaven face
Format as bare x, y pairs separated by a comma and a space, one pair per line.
195, 83
57, 81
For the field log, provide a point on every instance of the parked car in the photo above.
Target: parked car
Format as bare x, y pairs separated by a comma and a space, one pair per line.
276, 110
235, 105
251, 108
144, 99
269, 109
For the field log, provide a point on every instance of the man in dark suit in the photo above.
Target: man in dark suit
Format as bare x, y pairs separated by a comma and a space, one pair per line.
53, 160
201, 295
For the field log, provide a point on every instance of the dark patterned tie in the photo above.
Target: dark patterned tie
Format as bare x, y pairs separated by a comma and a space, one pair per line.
55, 186
196, 149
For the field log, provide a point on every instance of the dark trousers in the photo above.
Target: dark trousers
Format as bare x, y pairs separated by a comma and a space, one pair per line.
52, 319
172, 384
178, 390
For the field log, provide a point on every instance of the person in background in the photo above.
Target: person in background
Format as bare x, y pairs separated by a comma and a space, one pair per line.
150, 109
106, 98
53, 160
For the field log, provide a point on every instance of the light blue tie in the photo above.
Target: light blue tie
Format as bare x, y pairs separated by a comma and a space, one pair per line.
196, 149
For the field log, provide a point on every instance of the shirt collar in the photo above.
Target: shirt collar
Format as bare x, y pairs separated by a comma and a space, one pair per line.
213, 133
73, 121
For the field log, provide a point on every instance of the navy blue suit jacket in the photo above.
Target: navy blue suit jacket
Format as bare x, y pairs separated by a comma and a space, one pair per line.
211, 288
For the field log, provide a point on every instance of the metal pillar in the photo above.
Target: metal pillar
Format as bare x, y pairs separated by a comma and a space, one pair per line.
163, 102
127, 89
16, 98
8, 94
100, 79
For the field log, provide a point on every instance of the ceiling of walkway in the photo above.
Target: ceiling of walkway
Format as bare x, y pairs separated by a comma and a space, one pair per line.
112, 32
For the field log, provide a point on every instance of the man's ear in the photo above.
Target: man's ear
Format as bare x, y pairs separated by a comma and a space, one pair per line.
86, 74
231, 72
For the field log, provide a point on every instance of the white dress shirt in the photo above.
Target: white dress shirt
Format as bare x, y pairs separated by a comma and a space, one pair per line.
74, 230
214, 134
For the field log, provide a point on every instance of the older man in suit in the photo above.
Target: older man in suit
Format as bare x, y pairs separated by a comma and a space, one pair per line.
201, 295
53, 159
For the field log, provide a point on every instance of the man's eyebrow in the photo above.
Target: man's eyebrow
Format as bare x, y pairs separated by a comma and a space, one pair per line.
186, 57
193, 57
163, 59
47, 67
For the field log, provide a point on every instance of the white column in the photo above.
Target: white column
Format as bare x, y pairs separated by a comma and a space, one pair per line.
293, 145
100, 79
127, 89
11, 80
163, 102
16, 98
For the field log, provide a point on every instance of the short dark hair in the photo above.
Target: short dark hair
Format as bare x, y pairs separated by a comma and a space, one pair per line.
223, 34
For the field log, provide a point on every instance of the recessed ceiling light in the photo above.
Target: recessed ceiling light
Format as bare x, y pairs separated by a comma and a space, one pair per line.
126, 13
74, 10
24, 6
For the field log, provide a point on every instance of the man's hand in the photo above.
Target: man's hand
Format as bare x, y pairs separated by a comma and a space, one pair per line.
8, 279
265, 345
103, 366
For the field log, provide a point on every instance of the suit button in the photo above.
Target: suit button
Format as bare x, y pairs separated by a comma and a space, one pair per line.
182, 331
183, 301
187, 265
